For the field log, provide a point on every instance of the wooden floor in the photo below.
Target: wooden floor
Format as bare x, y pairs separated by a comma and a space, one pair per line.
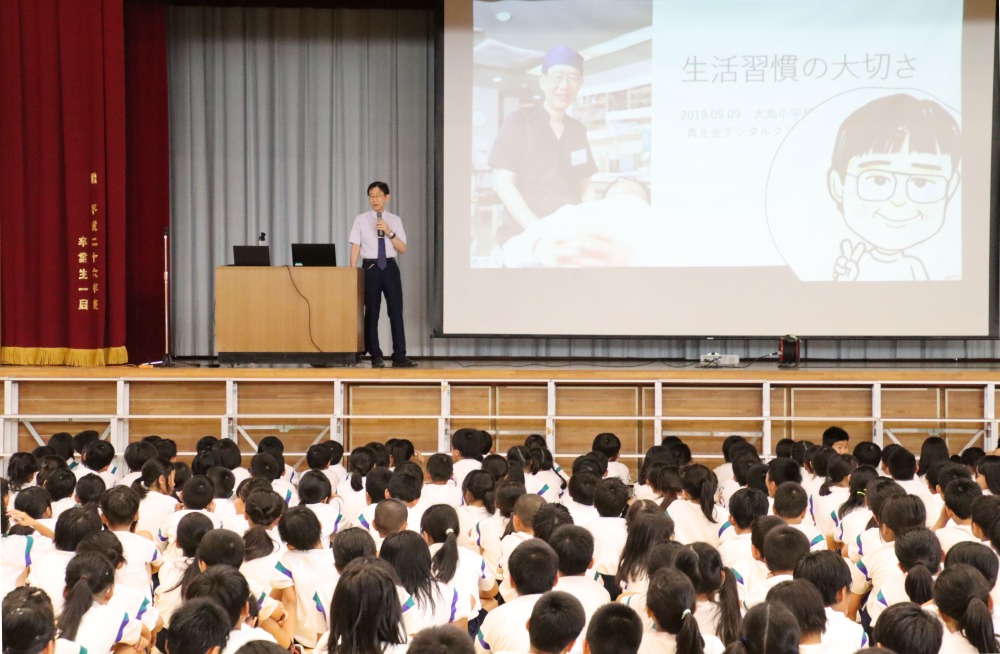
569, 404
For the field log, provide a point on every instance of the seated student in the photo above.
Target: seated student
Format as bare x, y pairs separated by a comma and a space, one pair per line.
834, 491
224, 482
23, 543
466, 453
831, 576
29, 625
609, 531
352, 543
783, 448
656, 454
490, 531
791, 504
906, 627
962, 596
983, 559
718, 605
804, 602
441, 640
136, 455
696, 516
229, 589
838, 439
523, 529
156, 501
273, 446
406, 485
540, 477
869, 536
62, 444
365, 615
549, 518
315, 493
425, 601
198, 496
533, 569
613, 629
580, 499
376, 483
919, 554
48, 571
955, 524
868, 454
611, 446
237, 522
853, 515
438, 485
201, 626
986, 518
779, 471
752, 571
120, 512
670, 602
81, 441
903, 468
231, 458
745, 457
336, 459
303, 578
644, 531
391, 517
221, 547
878, 565
724, 472
167, 596
88, 491
476, 490
783, 547
263, 545
767, 628
87, 618
60, 485
745, 506
98, 459
318, 458
267, 465
575, 548
556, 623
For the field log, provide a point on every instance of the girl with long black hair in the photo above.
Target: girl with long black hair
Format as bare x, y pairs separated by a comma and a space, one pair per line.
426, 602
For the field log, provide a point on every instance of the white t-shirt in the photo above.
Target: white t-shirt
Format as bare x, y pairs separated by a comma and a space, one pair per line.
843, 634
850, 528
620, 470
488, 533
545, 483
952, 534
933, 502
637, 601
129, 479
469, 516
48, 572
287, 491
735, 549
236, 523
463, 467
104, 626
16, 554
592, 596
418, 615
471, 576
817, 543
167, 533
167, 598
824, 509
954, 642
758, 593
245, 634
153, 512
331, 518
313, 576
875, 569
507, 547
662, 642
581, 513
354, 501
140, 556
504, 627
610, 535
691, 525
440, 494
724, 473
60, 506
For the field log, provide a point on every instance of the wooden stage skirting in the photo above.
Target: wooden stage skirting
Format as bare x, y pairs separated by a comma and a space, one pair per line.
568, 405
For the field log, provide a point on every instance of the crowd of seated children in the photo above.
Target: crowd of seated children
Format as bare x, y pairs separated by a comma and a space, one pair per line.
821, 549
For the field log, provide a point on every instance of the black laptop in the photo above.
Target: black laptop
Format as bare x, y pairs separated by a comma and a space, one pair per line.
314, 254
251, 255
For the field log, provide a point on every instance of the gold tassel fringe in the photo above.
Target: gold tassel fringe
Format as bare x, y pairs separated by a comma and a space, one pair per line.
63, 356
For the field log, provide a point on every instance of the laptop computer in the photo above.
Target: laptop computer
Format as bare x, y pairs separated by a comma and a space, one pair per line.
314, 254
251, 255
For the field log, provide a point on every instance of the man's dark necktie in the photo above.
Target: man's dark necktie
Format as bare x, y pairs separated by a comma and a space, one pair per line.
381, 262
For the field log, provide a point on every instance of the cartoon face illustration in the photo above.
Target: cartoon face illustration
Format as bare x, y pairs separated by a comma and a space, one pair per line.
895, 200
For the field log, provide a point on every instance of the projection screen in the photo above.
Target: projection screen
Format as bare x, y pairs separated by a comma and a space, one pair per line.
723, 168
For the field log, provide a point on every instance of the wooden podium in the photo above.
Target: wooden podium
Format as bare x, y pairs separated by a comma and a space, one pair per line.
285, 314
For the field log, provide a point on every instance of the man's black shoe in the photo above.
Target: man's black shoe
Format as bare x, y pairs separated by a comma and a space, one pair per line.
404, 363
378, 362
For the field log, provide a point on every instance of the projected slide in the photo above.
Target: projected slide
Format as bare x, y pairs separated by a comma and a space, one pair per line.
729, 146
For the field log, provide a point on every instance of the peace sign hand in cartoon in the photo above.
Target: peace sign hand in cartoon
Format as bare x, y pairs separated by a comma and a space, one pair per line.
845, 268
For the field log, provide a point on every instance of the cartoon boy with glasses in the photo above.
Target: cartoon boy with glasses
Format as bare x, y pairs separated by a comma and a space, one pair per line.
894, 169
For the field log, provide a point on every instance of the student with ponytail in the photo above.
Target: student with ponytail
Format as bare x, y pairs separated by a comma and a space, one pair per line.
695, 516
670, 602
540, 478
768, 628
848, 528
919, 554
834, 491
190, 530
426, 601
458, 567
718, 606
477, 487
262, 542
352, 487
155, 487
86, 617
48, 571
490, 531
365, 616
962, 596
645, 531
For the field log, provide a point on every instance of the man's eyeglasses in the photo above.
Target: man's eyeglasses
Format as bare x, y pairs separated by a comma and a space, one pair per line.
880, 185
573, 79
376, 196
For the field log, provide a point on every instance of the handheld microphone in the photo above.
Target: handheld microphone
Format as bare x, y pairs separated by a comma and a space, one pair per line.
380, 232
260, 239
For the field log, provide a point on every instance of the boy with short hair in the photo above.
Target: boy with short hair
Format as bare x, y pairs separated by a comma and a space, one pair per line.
959, 498
523, 522
611, 446
791, 504
609, 530
614, 629
783, 547
98, 459
120, 511
556, 623
831, 576
837, 438
745, 506
466, 453
198, 496
438, 485
580, 500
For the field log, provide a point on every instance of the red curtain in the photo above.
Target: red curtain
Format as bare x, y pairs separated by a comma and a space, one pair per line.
147, 184
62, 186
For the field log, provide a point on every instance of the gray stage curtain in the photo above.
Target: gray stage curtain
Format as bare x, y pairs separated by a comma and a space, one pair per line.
278, 120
